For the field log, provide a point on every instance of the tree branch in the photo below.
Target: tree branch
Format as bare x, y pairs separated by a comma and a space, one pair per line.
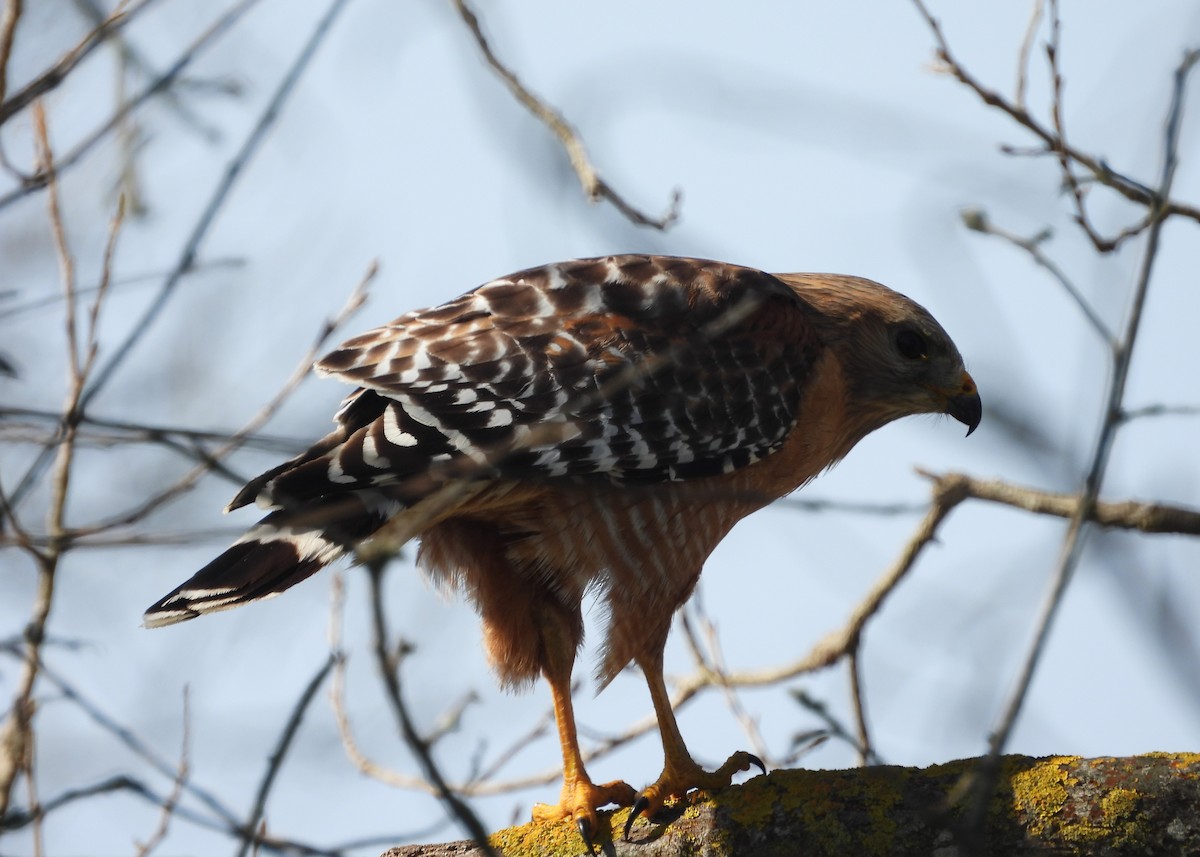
1124, 515
1061, 805
594, 187
1103, 173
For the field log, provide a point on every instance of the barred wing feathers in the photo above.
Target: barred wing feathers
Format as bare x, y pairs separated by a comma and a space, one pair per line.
627, 369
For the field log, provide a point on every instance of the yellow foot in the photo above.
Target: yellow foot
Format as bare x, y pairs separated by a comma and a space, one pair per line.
682, 776
579, 802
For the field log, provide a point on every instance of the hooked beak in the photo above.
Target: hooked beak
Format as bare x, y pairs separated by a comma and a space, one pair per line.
964, 404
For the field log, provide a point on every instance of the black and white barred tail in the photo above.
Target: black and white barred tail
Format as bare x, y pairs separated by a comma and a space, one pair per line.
281, 550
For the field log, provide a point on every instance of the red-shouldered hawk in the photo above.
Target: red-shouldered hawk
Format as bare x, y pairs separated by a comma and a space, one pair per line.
598, 423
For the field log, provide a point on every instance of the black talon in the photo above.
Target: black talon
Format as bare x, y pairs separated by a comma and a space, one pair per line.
757, 761
639, 806
585, 830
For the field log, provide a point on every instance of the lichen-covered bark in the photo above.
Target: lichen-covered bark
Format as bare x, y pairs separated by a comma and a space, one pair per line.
1062, 805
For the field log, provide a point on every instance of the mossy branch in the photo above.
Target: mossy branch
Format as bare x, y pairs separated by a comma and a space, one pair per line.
1060, 805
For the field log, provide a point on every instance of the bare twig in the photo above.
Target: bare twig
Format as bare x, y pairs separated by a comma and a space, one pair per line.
123, 431
16, 733
978, 221
135, 744
360, 760
56, 74
594, 187
389, 668
840, 643
172, 802
540, 728
1126, 515
1161, 411
853, 507
251, 829
168, 78
1035, 20
1101, 172
132, 58
712, 660
1070, 180
857, 698
124, 783
337, 697
834, 728
76, 539
51, 301
8, 29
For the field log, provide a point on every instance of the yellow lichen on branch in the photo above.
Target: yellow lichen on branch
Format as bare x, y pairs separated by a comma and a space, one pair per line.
1062, 804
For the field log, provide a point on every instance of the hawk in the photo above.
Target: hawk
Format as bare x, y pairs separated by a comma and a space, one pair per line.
598, 424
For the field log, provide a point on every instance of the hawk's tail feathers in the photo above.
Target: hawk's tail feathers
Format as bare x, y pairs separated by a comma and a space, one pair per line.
278, 552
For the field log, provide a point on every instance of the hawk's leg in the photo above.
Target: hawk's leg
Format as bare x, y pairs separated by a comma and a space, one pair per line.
580, 796
680, 773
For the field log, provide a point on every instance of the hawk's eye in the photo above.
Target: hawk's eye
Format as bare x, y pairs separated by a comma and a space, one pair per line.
911, 345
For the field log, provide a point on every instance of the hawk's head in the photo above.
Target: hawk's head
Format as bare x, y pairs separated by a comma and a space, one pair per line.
897, 359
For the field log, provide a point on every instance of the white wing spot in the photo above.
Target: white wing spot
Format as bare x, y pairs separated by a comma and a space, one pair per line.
336, 474
371, 456
392, 431
500, 417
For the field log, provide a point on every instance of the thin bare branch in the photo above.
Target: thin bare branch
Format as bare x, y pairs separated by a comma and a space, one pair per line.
172, 802
79, 539
1101, 172
133, 58
977, 220
852, 507
52, 301
1070, 180
74, 156
1126, 515
857, 699
834, 728
17, 819
389, 668
66, 262
713, 661
56, 74
123, 431
360, 760
838, 644
16, 735
594, 187
1161, 411
275, 760
8, 29
1035, 20
137, 746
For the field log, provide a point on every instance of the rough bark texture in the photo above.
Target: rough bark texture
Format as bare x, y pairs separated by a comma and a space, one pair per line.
1144, 805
